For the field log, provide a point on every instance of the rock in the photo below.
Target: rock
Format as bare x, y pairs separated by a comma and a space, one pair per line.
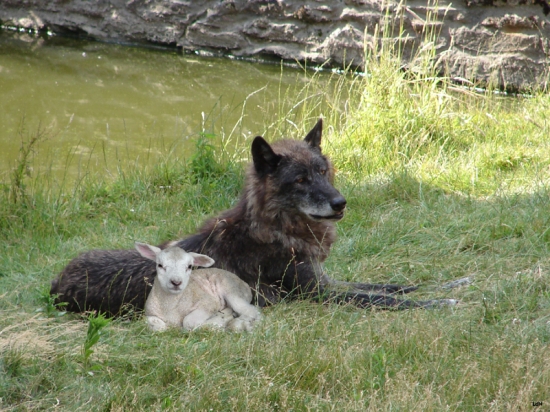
503, 42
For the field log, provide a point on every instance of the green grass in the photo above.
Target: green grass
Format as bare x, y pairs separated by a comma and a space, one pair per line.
441, 184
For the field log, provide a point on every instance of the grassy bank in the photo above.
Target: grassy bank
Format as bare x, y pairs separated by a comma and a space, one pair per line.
441, 184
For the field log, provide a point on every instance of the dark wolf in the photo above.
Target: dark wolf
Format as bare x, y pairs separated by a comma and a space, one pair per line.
276, 239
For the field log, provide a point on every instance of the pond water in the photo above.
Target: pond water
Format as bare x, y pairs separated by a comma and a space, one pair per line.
104, 106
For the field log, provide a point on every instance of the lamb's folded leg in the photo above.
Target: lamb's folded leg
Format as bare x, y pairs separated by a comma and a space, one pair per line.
243, 308
196, 319
220, 319
156, 324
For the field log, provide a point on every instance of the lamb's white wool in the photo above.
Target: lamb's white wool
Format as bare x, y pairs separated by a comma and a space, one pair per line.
191, 298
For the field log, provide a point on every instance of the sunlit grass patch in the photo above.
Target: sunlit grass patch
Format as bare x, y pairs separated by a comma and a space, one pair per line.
473, 144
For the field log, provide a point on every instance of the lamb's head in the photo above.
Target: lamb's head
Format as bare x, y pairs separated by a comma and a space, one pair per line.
174, 265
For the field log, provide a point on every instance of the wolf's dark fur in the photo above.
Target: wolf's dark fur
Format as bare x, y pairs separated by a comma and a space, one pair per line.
110, 281
276, 239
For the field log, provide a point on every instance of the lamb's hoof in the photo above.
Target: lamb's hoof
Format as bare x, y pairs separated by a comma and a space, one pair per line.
155, 324
240, 325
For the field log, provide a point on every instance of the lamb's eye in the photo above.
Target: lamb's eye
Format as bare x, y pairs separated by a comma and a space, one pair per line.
160, 265
189, 267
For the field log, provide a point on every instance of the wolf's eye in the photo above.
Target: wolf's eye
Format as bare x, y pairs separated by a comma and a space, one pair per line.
300, 180
323, 171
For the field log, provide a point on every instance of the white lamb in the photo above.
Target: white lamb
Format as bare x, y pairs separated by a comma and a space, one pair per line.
191, 298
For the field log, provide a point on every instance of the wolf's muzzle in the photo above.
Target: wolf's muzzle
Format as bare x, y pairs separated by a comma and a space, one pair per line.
338, 203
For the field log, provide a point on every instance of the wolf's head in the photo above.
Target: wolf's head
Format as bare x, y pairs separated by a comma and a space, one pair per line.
294, 176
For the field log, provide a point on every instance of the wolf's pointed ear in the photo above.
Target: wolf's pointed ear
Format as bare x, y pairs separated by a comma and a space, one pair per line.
313, 138
265, 159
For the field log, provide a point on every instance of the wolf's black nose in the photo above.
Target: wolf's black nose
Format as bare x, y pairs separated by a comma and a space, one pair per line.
338, 203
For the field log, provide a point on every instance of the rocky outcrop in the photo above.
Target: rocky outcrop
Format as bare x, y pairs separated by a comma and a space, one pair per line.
505, 43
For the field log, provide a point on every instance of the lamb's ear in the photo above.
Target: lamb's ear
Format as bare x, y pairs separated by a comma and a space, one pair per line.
202, 260
147, 251
265, 159
313, 138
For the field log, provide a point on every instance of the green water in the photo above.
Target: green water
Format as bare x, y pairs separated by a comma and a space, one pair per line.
105, 106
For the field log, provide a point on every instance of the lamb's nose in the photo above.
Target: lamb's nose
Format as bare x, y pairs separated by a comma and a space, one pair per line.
338, 203
176, 283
